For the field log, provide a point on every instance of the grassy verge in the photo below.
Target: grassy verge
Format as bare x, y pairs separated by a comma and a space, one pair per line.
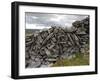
79, 59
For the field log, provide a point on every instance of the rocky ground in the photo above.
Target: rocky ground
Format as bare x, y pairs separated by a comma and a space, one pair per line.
45, 47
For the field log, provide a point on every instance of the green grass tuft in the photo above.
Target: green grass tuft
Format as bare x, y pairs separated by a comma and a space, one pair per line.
78, 60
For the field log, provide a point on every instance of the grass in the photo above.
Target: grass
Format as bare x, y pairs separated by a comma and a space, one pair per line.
79, 59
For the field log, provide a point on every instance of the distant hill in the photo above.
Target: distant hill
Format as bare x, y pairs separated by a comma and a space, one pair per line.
29, 31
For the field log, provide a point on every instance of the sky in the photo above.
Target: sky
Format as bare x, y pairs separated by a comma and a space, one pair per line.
46, 20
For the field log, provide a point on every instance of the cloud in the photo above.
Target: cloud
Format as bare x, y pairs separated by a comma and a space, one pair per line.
35, 26
44, 19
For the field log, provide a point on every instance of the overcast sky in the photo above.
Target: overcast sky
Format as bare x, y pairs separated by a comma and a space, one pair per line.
44, 20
